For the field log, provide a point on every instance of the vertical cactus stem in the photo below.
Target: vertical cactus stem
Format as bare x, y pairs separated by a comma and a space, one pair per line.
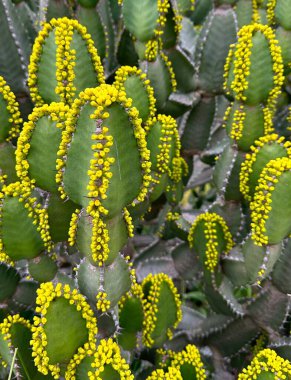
190, 356
57, 112
227, 66
46, 294
211, 220
289, 120
256, 14
266, 362
11, 126
150, 305
121, 76
108, 355
242, 62
261, 204
169, 65
65, 59
247, 165
35, 211
128, 220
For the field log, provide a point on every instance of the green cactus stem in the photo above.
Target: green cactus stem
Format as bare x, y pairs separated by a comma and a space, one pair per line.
64, 62
42, 268
265, 149
267, 365
106, 128
254, 66
131, 316
24, 224
278, 11
162, 309
245, 124
210, 236
64, 328
9, 279
80, 365
10, 118
38, 144
137, 87
271, 204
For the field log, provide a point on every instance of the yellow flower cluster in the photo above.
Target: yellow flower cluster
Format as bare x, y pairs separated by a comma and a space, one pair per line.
150, 305
56, 112
128, 220
65, 58
12, 107
5, 330
210, 222
271, 4
73, 227
261, 205
108, 354
99, 173
35, 211
267, 361
242, 62
103, 304
238, 123
134, 292
82, 353
250, 159
124, 72
46, 294
169, 65
189, 356
159, 374
152, 49
256, 14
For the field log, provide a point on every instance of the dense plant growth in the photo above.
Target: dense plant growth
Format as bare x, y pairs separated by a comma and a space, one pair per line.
145, 173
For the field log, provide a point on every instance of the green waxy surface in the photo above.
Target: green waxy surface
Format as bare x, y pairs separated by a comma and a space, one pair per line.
278, 224
135, 89
85, 73
59, 212
83, 368
4, 350
244, 12
253, 125
42, 155
166, 315
130, 321
266, 153
213, 46
260, 80
42, 268
126, 170
46, 74
116, 280
78, 158
109, 373
158, 74
183, 69
284, 37
265, 375
9, 278
194, 137
188, 371
20, 237
7, 161
92, 21
65, 330
139, 19
282, 13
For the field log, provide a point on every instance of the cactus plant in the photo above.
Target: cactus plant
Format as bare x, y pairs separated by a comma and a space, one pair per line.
144, 180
